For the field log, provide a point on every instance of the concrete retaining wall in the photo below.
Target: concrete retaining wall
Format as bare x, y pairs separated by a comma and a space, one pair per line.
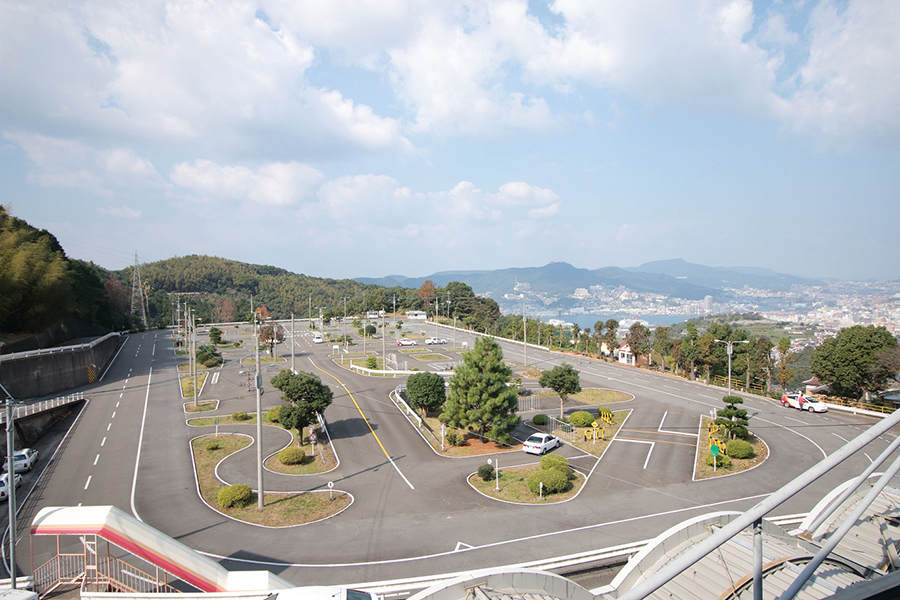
35, 374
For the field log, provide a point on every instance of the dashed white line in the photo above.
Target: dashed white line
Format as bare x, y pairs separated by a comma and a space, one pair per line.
102, 442
114, 415
120, 395
117, 405
96, 459
88, 482
108, 426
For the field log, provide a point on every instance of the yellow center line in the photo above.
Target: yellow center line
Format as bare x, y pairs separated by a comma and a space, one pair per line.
658, 442
349, 393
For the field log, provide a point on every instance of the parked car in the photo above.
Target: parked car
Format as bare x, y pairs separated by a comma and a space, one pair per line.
4, 483
800, 402
23, 460
539, 443
406, 342
434, 340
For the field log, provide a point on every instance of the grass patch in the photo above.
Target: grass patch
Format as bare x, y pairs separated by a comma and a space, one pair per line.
228, 420
187, 384
281, 510
311, 465
760, 450
361, 362
413, 350
186, 367
263, 360
204, 406
600, 396
514, 489
430, 356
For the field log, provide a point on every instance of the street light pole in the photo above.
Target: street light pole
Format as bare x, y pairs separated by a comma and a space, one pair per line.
11, 488
729, 349
524, 332
259, 453
292, 343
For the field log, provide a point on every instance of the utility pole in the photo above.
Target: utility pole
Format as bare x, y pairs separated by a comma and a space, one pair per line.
259, 453
383, 343
292, 343
524, 332
11, 487
194, 354
344, 323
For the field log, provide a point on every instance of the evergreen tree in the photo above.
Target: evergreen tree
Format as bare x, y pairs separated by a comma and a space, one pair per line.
425, 391
305, 393
734, 419
562, 379
480, 400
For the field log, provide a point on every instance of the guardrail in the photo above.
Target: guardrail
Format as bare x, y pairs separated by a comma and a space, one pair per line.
885, 410
23, 410
42, 351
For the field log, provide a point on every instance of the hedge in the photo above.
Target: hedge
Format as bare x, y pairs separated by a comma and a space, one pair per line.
581, 418
739, 449
291, 456
236, 496
556, 462
553, 480
722, 461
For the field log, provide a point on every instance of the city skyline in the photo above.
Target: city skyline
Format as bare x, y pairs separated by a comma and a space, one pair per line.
400, 137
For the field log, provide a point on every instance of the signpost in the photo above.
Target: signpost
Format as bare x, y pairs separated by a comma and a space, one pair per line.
714, 450
330, 490
217, 427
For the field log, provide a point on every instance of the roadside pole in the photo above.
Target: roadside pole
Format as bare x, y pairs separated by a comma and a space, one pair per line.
259, 453
11, 488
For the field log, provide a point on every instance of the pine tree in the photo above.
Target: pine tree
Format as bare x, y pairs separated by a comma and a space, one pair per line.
480, 400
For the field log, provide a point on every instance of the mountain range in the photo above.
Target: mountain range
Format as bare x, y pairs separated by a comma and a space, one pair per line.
676, 278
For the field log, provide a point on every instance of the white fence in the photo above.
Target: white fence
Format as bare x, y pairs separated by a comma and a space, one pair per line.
18, 355
23, 410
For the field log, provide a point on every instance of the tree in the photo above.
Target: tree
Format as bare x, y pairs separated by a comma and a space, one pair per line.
761, 360
271, 334
856, 361
480, 399
638, 339
734, 419
784, 372
306, 393
661, 344
562, 379
426, 293
425, 391
294, 417
611, 335
370, 330
215, 335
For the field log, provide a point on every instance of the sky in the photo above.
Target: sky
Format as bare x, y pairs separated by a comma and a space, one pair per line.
362, 138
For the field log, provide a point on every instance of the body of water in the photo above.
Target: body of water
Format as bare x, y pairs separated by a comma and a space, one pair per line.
589, 320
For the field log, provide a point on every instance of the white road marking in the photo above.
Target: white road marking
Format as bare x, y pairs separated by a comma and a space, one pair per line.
108, 426
846, 441
661, 430
462, 545
96, 459
88, 482
120, 395
795, 420
126, 383
102, 442
114, 415
117, 405
652, 444
705, 396
215, 378
137, 459
869, 457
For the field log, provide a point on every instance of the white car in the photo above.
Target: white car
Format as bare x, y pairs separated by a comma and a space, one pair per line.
539, 443
4, 484
23, 460
801, 402
434, 340
406, 342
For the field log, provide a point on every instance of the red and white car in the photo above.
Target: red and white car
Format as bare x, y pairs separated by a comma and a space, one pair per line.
801, 402
406, 342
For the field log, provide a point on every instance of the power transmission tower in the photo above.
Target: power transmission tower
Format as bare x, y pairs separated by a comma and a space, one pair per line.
137, 292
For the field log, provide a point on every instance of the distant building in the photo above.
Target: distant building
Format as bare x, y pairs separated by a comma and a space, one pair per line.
417, 315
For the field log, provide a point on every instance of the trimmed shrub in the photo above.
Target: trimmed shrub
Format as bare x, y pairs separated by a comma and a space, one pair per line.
722, 461
739, 449
555, 462
273, 413
454, 438
240, 415
213, 446
234, 496
554, 481
291, 456
211, 362
581, 418
539, 419
486, 472
371, 363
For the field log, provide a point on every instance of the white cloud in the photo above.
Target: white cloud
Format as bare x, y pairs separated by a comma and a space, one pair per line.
277, 184
467, 202
67, 163
519, 193
366, 198
123, 212
848, 88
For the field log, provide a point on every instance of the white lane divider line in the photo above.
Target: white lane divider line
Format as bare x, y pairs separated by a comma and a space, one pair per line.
108, 427
103, 442
661, 430
846, 441
114, 415
96, 459
652, 444
88, 482
869, 457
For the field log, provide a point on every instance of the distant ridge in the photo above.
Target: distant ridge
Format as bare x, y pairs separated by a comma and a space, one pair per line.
725, 277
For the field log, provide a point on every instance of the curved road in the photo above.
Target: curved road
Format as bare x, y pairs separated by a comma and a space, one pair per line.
413, 514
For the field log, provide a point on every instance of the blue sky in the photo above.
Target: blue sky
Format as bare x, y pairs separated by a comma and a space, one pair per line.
370, 137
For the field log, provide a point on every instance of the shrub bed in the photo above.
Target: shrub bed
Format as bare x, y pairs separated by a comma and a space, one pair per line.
554, 481
234, 496
739, 449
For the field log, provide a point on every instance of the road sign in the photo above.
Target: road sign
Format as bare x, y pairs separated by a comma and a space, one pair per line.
313, 437
714, 450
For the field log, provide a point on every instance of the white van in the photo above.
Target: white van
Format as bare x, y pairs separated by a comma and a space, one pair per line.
317, 338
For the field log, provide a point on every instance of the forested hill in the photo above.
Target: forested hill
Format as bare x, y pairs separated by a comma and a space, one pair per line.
221, 289
40, 286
